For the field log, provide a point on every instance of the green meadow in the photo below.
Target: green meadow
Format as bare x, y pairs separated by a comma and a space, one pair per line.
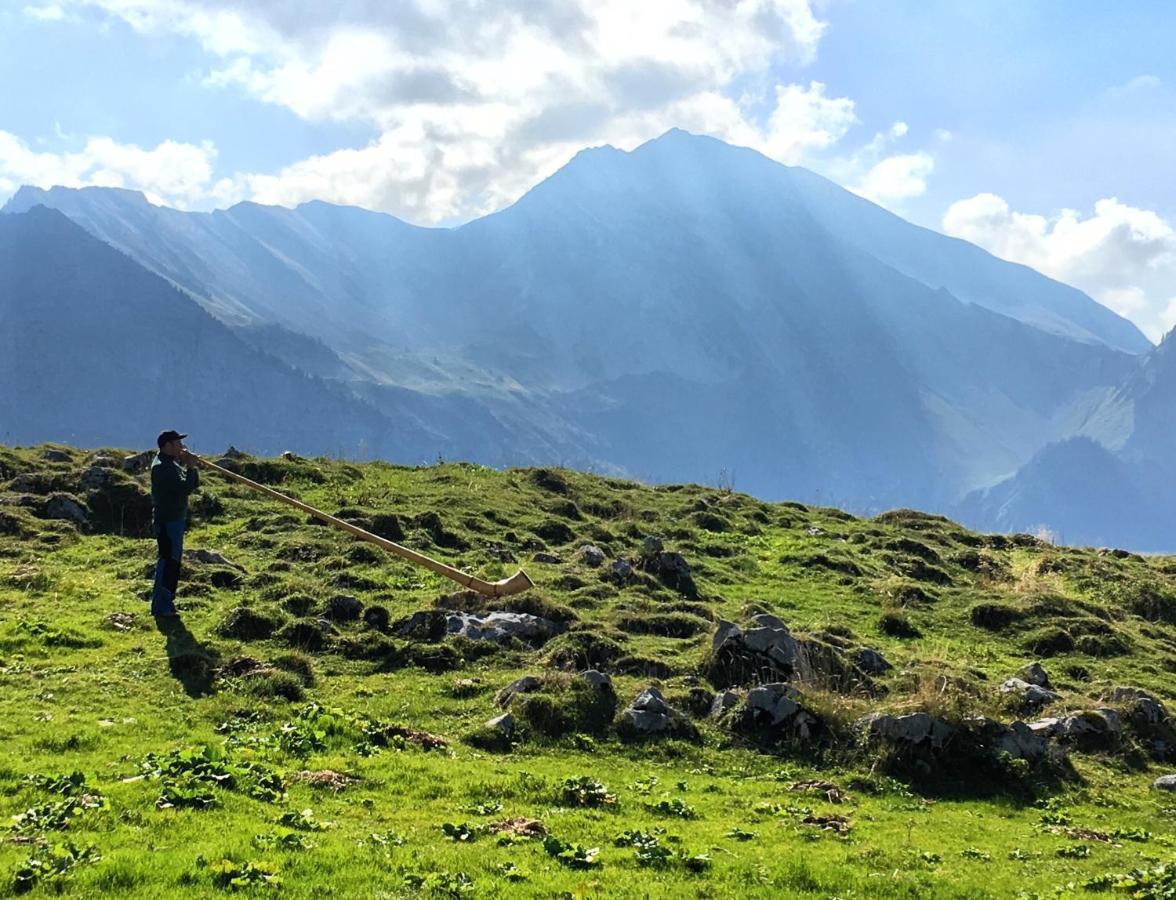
279, 742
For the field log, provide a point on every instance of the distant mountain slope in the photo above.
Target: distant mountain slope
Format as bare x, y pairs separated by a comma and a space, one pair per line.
672, 312
96, 350
1097, 491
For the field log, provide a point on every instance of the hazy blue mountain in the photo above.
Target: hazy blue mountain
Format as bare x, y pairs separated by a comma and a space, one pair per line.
682, 310
1114, 484
95, 350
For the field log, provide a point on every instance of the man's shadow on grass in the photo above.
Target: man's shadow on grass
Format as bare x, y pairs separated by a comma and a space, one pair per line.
191, 663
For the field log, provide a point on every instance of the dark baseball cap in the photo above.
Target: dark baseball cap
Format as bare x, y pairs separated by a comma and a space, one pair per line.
165, 436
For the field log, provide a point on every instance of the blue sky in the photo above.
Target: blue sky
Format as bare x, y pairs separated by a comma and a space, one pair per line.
1041, 130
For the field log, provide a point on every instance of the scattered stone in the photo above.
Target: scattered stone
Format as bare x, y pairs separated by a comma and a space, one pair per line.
138, 462
1029, 694
325, 778
121, 621
52, 455
289, 456
504, 724
831, 792
500, 626
520, 827
913, 729
466, 687
1018, 740
591, 555
1096, 729
651, 544
838, 824
724, 701
423, 625
102, 461
1143, 708
621, 570
650, 716
1035, 673
776, 707
598, 680
344, 608
871, 661
1165, 783
63, 506
96, 478
549, 559
767, 651
209, 557
525, 685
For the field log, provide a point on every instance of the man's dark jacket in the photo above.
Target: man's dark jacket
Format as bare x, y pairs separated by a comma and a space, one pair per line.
171, 484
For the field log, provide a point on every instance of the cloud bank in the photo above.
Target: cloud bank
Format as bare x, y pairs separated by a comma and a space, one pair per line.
1122, 256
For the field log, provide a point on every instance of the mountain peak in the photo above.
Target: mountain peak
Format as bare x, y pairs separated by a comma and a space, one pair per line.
28, 196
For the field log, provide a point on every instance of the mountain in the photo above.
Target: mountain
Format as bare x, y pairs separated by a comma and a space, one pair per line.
95, 349
675, 312
1114, 483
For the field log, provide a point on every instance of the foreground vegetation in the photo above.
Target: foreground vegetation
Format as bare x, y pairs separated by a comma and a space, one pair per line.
281, 739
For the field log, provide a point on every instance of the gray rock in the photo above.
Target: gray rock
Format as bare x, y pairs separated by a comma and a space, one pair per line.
767, 620
525, 685
505, 724
1143, 708
1165, 783
651, 700
650, 715
777, 707
598, 680
724, 632
63, 506
621, 569
1018, 740
651, 544
233, 453
211, 557
911, 729
776, 643
871, 661
499, 626
103, 461
724, 700
1021, 742
777, 701
288, 455
1034, 673
1098, 727
549, 559
52, 455
591, 555
95, 478
138, 462
1031, 694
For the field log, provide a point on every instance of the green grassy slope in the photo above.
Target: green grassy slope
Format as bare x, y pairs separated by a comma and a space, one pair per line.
88, 683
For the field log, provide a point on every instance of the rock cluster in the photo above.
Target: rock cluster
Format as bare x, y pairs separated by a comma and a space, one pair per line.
649, 715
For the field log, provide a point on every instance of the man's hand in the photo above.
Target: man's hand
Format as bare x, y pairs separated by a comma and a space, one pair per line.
187, 459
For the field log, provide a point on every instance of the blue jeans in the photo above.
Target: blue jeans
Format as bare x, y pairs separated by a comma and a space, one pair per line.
170, 536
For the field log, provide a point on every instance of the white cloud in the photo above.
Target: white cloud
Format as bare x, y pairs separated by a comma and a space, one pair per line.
1122, 256
50, 12
898, 177
171, 173
473, 103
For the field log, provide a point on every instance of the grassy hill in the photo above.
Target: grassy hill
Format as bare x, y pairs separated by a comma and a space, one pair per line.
283, 739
